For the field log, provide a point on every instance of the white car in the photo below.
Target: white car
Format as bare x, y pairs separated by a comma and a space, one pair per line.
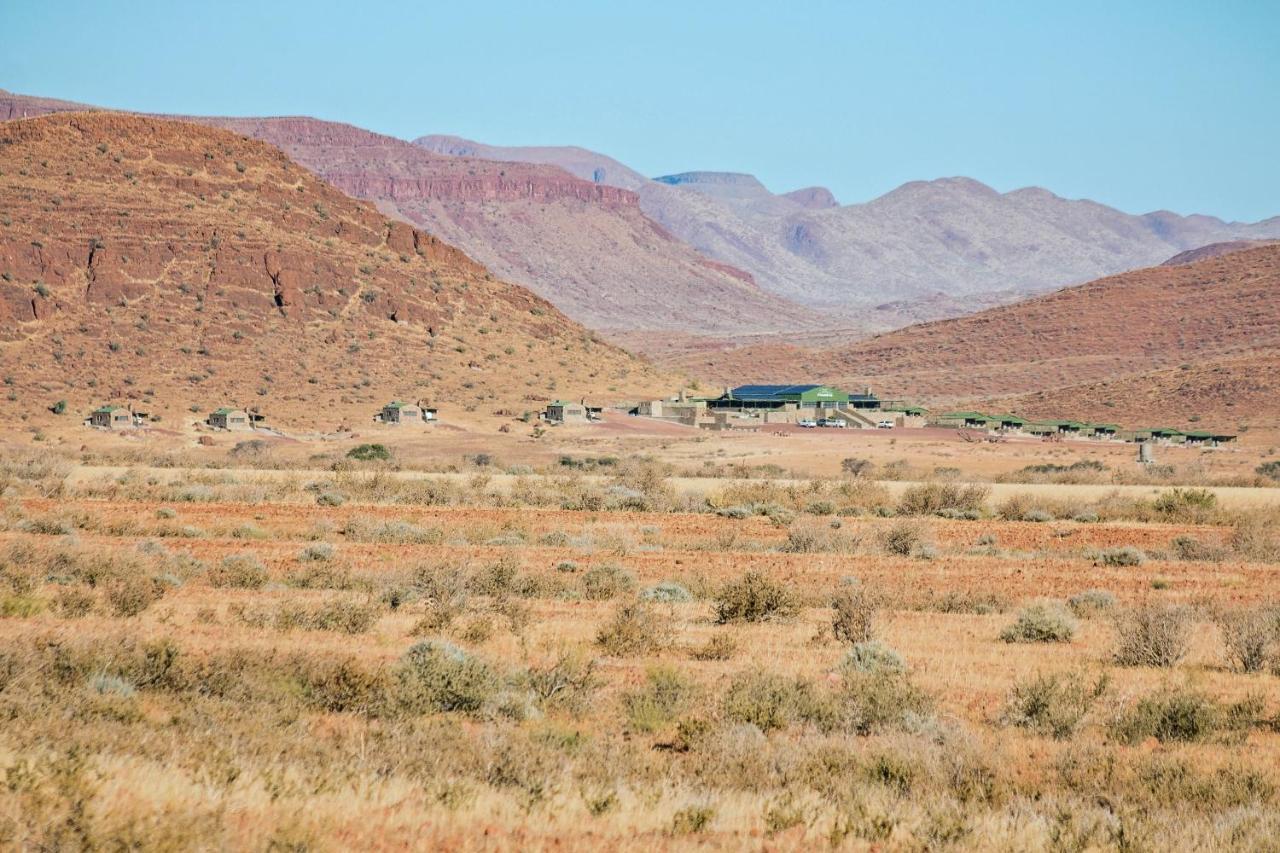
885, 425
807, 424
831, 422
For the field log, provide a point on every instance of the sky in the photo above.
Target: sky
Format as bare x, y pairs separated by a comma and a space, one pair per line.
1140, 105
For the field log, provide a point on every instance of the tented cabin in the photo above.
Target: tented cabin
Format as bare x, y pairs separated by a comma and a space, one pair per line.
234, 420
396, 412
111, 417
564, 412
781, 397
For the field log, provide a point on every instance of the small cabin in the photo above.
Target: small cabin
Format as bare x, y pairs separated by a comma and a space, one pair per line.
111, 417
233, 420
563, 412
396, 412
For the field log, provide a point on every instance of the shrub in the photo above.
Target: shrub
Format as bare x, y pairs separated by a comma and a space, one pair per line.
1186, 504
567, 682
870, 701
72, 602
435, 676
1126, 555
1248, 636
1152, 635
1255, 537
665, 696
316, 552
1051, 704
753, 598
111, 685
243, 571
719, 647
767, 700
855, 467
691, 820
1192, 549
1091, 602
1037, 515
131, 594
933, 498
369, 453
1270, 470
1180, 714
331, 499
1040, 623
872, 656
905, 539
854, 613
601, 583
166, 512
667, 592
736, 512
634, 629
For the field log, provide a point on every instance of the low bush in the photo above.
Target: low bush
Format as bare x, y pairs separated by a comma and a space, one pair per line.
1270, 470
1052, 704
242, 571
880, 699
1184, 715
316, 552
1191, 505
1152, 635
934, 498
434, 676
666, 592
767, 700
601, 583
130, 595
369, 453
1257, 537
635, 629
1091, 602
855, 610
331, 499
666, 694
906, 539
719, 647
1248, 636
1126, 555
1192, 549
1040, 623
753, 598
872, 656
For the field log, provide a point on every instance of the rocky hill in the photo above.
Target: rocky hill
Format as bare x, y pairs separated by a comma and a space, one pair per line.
1178, 340
928, 249
585, 246
182, 267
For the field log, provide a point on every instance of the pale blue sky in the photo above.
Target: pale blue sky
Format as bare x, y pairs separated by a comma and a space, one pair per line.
1141, 105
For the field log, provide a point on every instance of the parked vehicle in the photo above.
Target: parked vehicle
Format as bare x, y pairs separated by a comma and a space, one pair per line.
831, 422
885, 425
807, 424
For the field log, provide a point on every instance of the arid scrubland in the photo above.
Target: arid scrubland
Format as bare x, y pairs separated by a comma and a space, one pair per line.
354, 660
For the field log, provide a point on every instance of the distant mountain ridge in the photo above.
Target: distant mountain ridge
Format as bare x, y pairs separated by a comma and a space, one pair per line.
950, 237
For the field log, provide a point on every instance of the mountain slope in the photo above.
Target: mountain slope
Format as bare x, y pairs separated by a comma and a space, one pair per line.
1124, 331
587, 247
181, 265
927, 249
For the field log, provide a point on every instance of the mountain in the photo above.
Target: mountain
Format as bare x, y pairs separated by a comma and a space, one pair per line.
928, 248
185, 266
1172, 339
1212, 250
585, 246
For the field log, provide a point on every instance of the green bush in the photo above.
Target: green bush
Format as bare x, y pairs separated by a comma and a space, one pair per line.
854, 610
1051, 704
872, 656
1040, 623
666, 592
1091, 602
634, 629
243, 571
437, 676
369, 453
1186, 504
1192, 549
601, 583
1270, 470
1126, 555
905, 539
881, 699
665, 695
1184, 715
934, 498
753, 598
767, 700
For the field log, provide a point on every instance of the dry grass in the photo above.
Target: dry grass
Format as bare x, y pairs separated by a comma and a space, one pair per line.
406, 667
